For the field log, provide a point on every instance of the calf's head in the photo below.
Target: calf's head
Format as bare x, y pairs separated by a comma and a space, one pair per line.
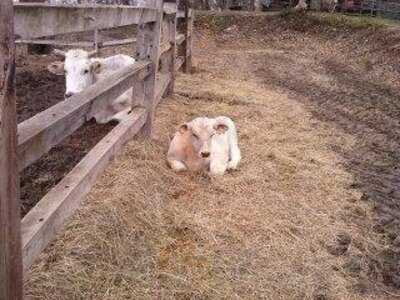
79, 70
200, 132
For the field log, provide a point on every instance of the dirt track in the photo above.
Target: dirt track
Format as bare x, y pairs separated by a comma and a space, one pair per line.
312, 212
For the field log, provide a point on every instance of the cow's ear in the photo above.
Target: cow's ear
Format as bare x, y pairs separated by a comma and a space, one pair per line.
220, 128
96, 67
56, 68
183, 128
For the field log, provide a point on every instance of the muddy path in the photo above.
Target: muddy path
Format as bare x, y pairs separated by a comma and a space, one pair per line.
313, 211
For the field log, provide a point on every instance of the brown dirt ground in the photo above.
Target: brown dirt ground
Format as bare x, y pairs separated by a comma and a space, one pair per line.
313, 211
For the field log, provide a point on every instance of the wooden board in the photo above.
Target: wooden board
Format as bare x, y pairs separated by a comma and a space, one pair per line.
172, 23
77, 44
148, 47
47, 218
11, 284
187, 45
40, 133
39, 20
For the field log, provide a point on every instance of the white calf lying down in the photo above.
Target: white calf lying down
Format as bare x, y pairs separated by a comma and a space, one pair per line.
81, 71
204, 144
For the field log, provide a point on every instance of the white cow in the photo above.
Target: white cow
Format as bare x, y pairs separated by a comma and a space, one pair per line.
325, 5
205, 144
81, 71
302, 5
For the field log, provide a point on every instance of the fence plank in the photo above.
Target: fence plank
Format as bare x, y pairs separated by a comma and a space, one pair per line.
148, 47
11, 286
172, 21
46, 219
40, 133
77, 44
187, 67
39, 20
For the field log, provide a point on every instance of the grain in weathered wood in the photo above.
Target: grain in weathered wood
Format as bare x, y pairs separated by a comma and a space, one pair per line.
172, 21
34, 20
11, 284
118, 42
148, 47
40, 133
41, 225
97, 42
187, 44
167, 58
77, 44
54, 43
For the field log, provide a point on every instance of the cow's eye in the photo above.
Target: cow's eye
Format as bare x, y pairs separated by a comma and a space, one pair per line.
195, 136
85, 71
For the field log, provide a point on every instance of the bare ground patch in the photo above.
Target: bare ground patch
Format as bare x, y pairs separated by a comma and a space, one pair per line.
305, 216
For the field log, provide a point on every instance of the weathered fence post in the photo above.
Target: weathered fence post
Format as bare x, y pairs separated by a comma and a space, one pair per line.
148, 48
168, 63
10, 236
187, 45
172, 39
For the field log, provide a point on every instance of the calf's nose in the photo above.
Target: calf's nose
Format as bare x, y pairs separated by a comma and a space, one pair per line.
205, 154
67, 95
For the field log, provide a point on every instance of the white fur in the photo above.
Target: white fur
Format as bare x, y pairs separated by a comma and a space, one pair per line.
200, 136
81, 71
232, 141
302, 5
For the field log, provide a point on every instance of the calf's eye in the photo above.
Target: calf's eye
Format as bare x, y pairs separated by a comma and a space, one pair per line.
195, 136
85, 71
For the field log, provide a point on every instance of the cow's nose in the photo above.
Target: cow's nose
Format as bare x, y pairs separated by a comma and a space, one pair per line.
205, 154
67, 95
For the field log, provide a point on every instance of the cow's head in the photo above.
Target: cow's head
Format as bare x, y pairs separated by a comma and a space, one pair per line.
79, 70
200, 132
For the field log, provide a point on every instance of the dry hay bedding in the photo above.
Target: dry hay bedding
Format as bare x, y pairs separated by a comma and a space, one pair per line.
306, 214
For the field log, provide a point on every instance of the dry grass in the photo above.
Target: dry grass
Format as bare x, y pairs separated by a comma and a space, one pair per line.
291, 223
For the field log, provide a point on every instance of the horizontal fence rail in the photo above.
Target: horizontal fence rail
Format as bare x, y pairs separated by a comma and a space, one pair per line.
39, 20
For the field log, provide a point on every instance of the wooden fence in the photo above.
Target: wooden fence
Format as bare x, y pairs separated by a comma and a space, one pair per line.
157, 43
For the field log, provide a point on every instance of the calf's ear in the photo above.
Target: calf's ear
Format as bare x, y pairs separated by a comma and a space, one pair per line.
96, 67
220, 128
56, 68
183, 128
